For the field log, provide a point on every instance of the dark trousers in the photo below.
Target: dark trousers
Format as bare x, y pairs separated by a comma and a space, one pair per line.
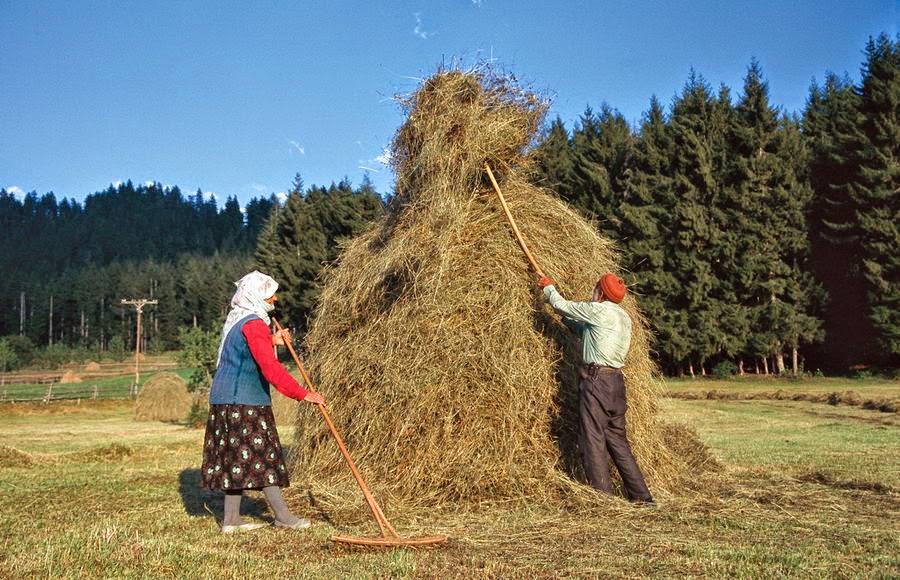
603, 409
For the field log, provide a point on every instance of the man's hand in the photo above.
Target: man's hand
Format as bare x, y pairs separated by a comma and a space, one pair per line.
545, 281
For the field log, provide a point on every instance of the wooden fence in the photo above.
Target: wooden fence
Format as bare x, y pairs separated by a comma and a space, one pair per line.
50, 392
76, 383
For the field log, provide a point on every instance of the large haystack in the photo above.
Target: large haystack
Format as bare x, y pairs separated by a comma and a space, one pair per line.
163, 398
448, 376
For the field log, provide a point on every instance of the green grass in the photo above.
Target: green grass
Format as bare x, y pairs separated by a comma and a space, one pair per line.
798, 438
87, 492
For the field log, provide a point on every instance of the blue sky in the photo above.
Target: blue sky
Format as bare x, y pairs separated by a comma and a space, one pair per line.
235, 98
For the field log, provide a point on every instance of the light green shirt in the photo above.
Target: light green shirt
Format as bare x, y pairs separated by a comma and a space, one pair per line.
605, 328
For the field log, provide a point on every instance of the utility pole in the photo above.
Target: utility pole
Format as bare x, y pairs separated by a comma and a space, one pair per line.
139, 307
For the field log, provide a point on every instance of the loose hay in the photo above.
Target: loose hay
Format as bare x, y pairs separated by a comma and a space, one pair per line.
163, 398
445, 371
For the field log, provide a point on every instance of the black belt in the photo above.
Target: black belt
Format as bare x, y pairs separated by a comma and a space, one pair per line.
591, 369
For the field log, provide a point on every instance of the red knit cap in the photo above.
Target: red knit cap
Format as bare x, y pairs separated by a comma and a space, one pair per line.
613, 287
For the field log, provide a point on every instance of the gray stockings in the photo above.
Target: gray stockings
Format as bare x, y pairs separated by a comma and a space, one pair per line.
273, 496
602, 410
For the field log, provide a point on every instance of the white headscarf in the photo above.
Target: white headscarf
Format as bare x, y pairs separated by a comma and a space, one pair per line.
250, 298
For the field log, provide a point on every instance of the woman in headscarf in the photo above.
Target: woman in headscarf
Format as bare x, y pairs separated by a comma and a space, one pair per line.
241, 449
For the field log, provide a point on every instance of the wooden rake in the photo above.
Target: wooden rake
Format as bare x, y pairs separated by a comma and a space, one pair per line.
389, 536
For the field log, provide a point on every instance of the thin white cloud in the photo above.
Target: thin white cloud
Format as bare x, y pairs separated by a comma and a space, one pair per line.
282, 196
298, 147
258, 187
385, 157
384, 160
15, 190
477, 3
418, 30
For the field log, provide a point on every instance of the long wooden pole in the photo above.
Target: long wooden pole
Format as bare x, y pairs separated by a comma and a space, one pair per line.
383, 523
512, 222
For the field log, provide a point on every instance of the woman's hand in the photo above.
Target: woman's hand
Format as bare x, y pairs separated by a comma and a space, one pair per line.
281, 338
314, 398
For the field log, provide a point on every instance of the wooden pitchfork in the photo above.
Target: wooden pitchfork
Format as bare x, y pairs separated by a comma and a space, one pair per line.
512, 223
389, 536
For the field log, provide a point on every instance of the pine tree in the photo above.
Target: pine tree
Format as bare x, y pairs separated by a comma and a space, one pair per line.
830, 124
601, 147
769, 232
699, 124
645, 234
555, 161
876, 191
292, 249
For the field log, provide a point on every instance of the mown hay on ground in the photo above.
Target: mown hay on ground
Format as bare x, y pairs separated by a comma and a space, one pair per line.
447, 374
164, 397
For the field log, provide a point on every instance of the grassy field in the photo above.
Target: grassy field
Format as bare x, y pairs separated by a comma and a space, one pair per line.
807, 490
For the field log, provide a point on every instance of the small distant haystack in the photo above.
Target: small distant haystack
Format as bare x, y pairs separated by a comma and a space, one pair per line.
163, 398
70, 377
92, 366
447, 374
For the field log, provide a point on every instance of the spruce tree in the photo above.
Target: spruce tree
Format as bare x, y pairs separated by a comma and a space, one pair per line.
699, 123
555, 161
876, 192
601, 146
769, 231
645, 234
292, 250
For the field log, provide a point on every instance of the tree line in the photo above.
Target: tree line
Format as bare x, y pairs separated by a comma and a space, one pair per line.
755, 239
751, 234
67, 266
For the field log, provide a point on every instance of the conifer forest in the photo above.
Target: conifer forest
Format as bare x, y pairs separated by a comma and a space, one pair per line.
755, 239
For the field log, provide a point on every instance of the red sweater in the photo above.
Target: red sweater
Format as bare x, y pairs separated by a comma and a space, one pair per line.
259, 339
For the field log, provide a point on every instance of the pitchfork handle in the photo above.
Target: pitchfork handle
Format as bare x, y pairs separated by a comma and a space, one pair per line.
512, 222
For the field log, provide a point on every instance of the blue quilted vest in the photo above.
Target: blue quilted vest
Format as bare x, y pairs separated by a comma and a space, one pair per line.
238, 380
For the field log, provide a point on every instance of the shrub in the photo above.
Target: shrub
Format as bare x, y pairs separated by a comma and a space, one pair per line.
8, 359
724, 369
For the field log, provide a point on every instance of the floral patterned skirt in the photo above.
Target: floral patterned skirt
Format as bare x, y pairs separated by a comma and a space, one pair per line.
241, 449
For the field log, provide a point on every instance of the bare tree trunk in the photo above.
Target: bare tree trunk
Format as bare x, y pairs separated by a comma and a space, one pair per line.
779, 362
765, 362
691, 370
50, 339
740, 367
794, 362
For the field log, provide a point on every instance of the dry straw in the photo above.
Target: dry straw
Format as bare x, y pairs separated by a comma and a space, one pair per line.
445, 371
163, 398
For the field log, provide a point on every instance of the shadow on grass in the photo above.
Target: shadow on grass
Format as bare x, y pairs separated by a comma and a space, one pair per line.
203, 503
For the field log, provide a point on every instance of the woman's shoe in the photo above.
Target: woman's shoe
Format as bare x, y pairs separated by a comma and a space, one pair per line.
298, 525
246, 527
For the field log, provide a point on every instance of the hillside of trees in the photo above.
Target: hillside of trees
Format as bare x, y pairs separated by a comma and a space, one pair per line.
68, 266
755, 240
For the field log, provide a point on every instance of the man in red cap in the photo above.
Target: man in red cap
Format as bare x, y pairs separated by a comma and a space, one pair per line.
605, 330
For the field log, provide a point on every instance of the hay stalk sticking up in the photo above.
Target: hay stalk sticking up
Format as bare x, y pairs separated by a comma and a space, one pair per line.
445, 371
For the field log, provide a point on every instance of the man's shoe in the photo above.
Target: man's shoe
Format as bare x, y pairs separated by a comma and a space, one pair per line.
298, 525
246, 527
